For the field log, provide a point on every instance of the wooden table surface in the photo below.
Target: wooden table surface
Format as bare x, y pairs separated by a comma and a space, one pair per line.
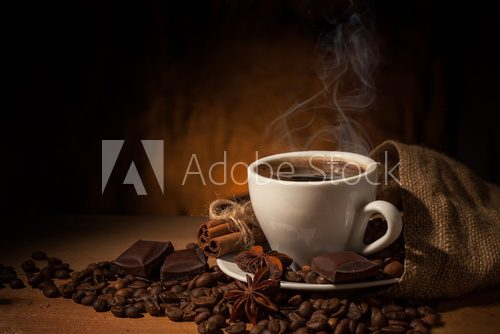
85, 239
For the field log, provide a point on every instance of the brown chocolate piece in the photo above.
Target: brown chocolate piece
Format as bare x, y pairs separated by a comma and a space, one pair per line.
343, 266
183, 264
142, 258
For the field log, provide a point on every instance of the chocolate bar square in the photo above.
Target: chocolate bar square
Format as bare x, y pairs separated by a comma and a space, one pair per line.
142, 258
183, 264
343, 266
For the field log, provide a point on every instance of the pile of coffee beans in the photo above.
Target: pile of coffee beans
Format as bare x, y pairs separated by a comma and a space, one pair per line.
8, 276
389, 268
201, 300
317, 314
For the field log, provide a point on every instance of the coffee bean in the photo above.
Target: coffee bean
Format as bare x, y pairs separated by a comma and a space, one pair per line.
188, 315
421, 329
330, 305
400, 323
204, 280
100, 305
221, 308
393, 329
66, 290
29, 266
35, 280
219, 276
377, 318
88, 300
45, 283
342, 327
125, 293
362, 328
295, 300
139, 293
61, 274
218, 320
207, 327
303, 330
140, 306
355, 312
297, 323
154, 290
317, 322
177, 288
236, 328
264, 322
332, 323
294, 316
317, 303
137, 285
53, 261
310, 277
50, 291
394, 312
78, 296
393, 269
168, 297
305, 309
153, 308
116, 300
118, 311
258, 329
352, 325
317, 313
61, 266
120, 284
132, 312
16, 284
39, 256
174, 313
169, 284
48, 272
340, 313
277, 326
204, 301
202, 316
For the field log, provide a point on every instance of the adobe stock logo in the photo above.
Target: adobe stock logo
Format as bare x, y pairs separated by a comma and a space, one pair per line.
111, 150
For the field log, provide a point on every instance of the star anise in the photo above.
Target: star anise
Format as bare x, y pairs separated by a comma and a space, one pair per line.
252, 300
255, 259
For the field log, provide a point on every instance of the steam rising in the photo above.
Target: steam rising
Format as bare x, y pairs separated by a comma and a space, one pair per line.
348, 56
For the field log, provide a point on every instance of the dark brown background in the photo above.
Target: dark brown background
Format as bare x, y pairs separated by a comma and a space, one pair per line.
208, 76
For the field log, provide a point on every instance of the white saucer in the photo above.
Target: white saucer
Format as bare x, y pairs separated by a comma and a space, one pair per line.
228, 266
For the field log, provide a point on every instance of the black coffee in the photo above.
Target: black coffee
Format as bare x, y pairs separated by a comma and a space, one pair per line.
307, 169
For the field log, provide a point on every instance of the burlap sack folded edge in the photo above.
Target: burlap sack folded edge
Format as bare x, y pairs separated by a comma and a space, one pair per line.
451, 226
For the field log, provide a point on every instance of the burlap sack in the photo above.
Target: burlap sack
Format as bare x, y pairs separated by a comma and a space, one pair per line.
451, 222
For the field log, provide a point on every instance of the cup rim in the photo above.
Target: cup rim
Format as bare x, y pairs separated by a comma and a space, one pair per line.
369, 163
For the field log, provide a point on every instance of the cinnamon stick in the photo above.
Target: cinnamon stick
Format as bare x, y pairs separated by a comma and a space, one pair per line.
229, 243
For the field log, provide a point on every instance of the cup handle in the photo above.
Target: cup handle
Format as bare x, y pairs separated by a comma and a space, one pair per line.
394, 227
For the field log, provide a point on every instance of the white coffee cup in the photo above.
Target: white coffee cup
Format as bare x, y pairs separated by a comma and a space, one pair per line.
304, 219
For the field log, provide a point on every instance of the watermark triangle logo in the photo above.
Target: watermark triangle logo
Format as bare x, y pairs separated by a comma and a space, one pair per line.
111, 150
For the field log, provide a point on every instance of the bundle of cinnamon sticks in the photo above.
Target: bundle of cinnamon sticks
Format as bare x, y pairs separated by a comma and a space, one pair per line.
218, 237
